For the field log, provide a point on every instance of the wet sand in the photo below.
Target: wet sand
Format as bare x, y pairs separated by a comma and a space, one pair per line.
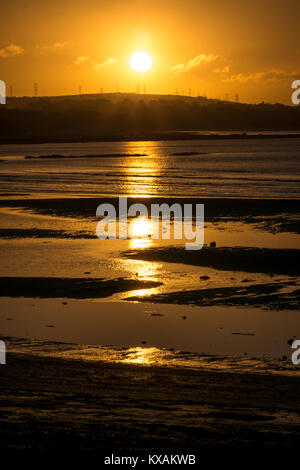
74, 288
215, 208
278, 295
13, 233
52, 405
267, 296
152, 333
272, 215
246, 259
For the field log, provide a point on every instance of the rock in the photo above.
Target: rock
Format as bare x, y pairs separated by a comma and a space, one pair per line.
291, 340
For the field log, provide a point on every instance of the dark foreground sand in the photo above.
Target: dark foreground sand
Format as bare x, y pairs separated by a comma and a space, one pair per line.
215, 208
70, 288
49, 404
246, 259
271, 215
275, 295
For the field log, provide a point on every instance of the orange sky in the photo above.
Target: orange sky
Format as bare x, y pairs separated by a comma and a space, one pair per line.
216, 47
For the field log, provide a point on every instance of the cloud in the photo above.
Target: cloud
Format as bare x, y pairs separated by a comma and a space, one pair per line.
222, 70
195, 63
177, 68
199, 60
52, 48
81, 59
102, 65
11, 50
269, 75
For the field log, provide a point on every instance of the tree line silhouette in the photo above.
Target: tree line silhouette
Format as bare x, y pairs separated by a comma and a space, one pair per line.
98, 117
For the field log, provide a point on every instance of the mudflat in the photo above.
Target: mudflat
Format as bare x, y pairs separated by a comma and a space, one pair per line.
68, 405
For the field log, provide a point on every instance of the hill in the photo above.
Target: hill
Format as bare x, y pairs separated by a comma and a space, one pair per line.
119, 116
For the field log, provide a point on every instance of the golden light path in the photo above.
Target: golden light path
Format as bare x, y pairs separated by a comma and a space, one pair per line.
140, 227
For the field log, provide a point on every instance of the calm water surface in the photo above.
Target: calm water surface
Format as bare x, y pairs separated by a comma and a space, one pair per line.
240, 168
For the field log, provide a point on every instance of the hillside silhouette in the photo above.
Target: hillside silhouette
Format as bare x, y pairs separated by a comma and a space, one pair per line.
128, 116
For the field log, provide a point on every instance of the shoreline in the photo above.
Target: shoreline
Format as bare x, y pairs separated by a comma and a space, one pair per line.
235, 207
161, 136
70, 288
124, 404
155, 357
268, 215
243, 259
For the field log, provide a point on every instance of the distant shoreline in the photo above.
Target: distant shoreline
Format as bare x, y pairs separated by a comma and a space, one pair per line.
162, 136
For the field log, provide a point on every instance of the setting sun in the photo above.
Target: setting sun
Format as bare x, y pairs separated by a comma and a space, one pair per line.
141, 61
150, 230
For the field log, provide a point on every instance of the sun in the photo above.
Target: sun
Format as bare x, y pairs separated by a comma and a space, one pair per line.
141, 61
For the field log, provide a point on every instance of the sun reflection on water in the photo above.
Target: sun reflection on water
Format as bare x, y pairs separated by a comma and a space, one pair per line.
135, 243
140, 227
144, 356
142, 172
143, 270
140, 231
